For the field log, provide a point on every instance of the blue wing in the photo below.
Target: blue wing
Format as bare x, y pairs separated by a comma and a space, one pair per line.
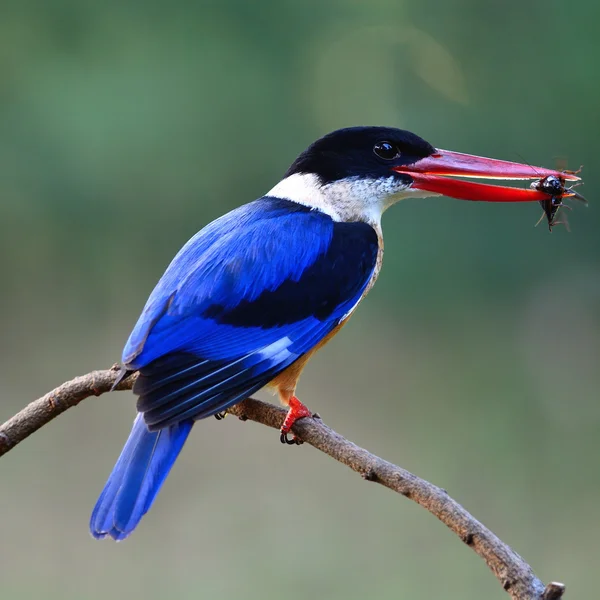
245, 298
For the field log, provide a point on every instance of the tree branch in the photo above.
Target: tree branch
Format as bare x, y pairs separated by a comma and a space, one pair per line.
513, 573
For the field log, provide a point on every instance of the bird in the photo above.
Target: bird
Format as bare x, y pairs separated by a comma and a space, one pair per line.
250, 298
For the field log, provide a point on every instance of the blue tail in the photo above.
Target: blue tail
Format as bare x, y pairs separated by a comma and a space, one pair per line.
135, 480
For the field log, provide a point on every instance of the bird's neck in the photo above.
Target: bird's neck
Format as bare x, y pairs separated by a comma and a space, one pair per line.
346, 200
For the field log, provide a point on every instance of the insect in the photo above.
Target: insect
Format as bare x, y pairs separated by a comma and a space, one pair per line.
554, 186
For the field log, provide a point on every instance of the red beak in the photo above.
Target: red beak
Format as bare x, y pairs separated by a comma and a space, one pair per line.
434, 174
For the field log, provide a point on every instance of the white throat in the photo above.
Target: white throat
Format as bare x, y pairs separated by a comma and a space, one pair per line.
350, 199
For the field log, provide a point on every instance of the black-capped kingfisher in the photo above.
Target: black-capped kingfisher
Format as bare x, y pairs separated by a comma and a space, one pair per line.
252, 296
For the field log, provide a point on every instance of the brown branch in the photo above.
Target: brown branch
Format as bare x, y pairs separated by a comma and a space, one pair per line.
513, 573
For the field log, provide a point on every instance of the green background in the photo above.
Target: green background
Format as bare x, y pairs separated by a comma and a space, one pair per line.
127, 126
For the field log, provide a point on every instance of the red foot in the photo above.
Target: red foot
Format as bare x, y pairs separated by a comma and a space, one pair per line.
297, 411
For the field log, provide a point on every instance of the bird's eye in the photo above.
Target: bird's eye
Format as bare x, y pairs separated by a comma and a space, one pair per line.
386, 150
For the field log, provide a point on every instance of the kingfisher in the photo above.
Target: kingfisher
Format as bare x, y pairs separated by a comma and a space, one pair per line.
250, 298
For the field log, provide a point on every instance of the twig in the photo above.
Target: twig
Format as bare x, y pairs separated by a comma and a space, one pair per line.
513, 573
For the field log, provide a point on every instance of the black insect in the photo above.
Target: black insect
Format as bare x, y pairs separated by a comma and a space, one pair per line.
554, 186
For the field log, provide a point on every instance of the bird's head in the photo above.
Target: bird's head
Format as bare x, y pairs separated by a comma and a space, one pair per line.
354, 174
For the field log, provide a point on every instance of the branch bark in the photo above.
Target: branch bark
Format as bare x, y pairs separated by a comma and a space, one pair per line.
513, 573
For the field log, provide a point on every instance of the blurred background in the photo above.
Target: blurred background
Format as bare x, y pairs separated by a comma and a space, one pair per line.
125, 127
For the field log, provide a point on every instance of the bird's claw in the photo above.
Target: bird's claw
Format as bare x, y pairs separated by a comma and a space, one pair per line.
297, 411
220, 415
290, 442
